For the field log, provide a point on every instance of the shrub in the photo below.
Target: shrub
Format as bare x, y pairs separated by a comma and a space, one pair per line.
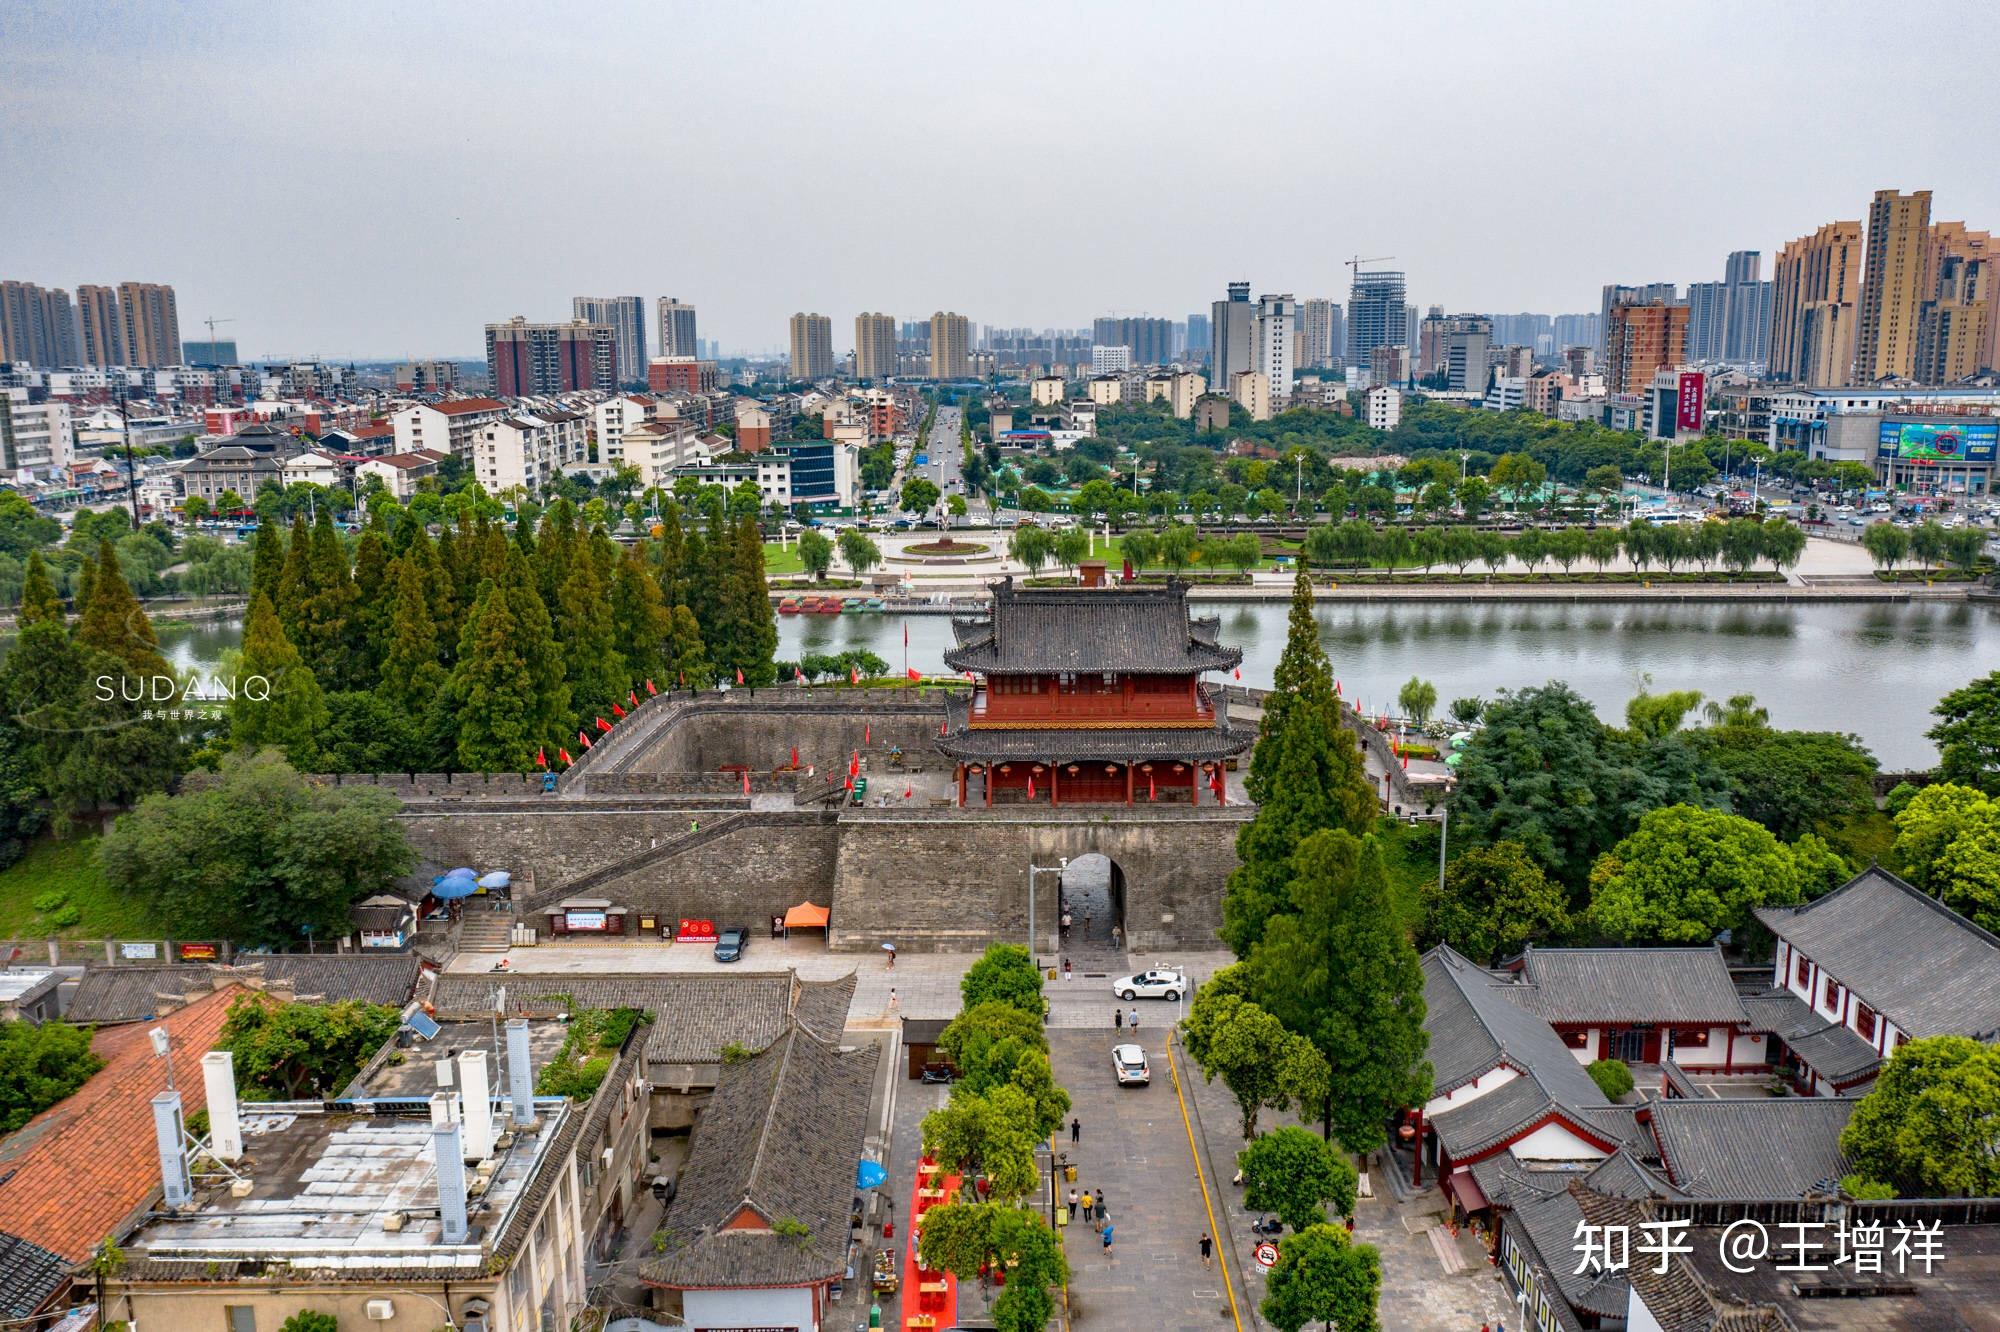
1612, 1077
310, 1320
52, 901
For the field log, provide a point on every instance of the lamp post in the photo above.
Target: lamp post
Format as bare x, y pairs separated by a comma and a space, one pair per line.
1444, 835
1062, 863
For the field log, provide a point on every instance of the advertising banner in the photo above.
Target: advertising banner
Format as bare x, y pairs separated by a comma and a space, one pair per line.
1690, 397
1938, 441
695, 931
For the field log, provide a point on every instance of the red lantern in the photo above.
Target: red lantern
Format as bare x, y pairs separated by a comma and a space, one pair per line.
1072, 769
1407, 1132
1111, 770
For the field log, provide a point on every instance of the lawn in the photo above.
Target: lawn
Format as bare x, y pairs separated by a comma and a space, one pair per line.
70, 868
782, 559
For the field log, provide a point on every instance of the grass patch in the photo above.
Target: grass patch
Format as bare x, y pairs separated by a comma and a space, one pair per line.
782, 559
68, 871
1921, 576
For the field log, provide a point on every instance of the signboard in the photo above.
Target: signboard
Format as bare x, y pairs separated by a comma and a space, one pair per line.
199, 952
1267, 1255
1938, 441
139, 951
1690, 398
584, 920
695, 931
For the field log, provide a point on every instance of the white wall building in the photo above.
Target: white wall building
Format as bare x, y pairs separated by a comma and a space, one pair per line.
529, 450
1046, 391
452, 428
1110, 360
658, 449
1252, 391
37, 439
400, 472
1271, 343
1383, 407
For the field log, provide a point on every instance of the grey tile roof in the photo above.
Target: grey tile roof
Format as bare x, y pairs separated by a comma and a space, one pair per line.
1138, 631
695, 1015
1928, 969
1551, 1225
781, 1137
1508, 1182
140, 992
1772, 1150
1623, 1175
1474, 1025
1093, 745
1665, 985
1675, 1297
1832, 1050
29, 1274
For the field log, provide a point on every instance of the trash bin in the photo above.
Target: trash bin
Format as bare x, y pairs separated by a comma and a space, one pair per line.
1069, 1174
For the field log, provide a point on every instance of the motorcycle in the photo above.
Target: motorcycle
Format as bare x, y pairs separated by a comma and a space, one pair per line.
1267, 1225
937, 1075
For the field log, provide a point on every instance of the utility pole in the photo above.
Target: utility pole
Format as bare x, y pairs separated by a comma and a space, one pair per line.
131, 473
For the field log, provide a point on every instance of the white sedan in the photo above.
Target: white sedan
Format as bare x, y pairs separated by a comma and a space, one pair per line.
1168, 983
1129, 1063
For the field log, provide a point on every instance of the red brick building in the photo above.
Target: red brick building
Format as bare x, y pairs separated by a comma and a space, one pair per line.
685, 373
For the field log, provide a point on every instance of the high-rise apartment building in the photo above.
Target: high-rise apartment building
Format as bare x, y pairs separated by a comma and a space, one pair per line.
951, 345
627, 317
1389, 364
37, 325
1954, 328
1230, 334
152, 324
524, 358
100, 325
677, 332
1644, 339
1815, 295
874, 346
1894, 285
1150, 341
1430, 342
812, 346
1271, 343
1377, 316
1664, 293
1708, 320
1198, 344
1467, 340
1730, 320
1323, 334
1576, 330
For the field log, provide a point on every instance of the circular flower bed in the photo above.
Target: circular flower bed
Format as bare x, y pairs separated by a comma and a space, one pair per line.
947, 546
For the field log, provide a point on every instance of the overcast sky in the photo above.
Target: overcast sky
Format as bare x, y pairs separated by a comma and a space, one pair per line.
381, 180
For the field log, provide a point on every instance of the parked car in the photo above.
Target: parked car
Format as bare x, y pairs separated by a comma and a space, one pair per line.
1129, 1063
730, 944
1168, 983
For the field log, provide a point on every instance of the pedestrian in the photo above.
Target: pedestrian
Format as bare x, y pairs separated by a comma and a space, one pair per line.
890, 949
1102, 1209
1132, 1020
1087, 1200
1107, 1239
1117, 1019
1075, 1130
892, 998
1065, 924
1072, 1216
694, 825
1208, 1248
1117, 937
1065, 968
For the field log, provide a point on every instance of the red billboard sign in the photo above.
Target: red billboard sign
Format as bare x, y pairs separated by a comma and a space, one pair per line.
1690, 396
695, 931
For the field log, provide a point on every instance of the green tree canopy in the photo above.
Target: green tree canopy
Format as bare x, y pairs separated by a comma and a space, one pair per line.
1686, 874
1929, 1124
987, 1041
1260, 1062
1323, 1276
39, 1065
1495, 902
278, 702
1968, 734
289, 1052
1003, 974
815, 553
1297, 1174
1948, 839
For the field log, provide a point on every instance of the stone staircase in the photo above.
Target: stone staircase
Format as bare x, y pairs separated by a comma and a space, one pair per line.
485, 931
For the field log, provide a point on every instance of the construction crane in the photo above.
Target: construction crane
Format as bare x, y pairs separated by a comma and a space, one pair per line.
1354, 264
212, 321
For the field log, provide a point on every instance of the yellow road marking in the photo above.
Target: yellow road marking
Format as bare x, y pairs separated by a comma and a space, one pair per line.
1221, 1249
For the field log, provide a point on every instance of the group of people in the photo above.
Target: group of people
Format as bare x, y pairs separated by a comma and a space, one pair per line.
1090, 1202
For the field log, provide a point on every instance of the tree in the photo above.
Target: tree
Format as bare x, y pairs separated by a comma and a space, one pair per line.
1968, 734
1295, 1173
1466, 711
111, 620
592, 664
1948, 838
993, 1135
258, 854
39, 601
1178, 545
1792, 782
296, 1051
1339, 969
1260, 1062
1612, 1076
1656, 716
39, 1065
919, 494
971, 1239
1886, 543
1141, 547
1305, 775
1417, 698
816, 554
1965, 547
1686, 874
1003, 974
860, 551
1517, 473
278, 702
1071, 549
987, 1041
1495, 902
310, 1320
493, 690
1323, 1276
1032, 546
1928, 1125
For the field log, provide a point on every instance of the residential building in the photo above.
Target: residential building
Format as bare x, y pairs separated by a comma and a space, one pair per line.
1581, 360
951, 346
426, 377
1664, 293
314, 467
611, 417
1643, 339
1466, 341
1323, 330
874, 346
770, 472
1431, 335
529, 449
100, 326
1576, 330
753, 429
37, 439
451, 427
1106, 390
682, 374
1197, 342
152, 323
1389, 365
1545, 390
1708, 320
1376, 317
214, 355
1954, 327
1211, 413
1046, 390
1147, 341
657, 449
1382, 407
1815, 310
1506, 393
1271, 343
626, 317
1252, 391
241, 463
1516, 360
1747, 333
1184, 388
37, 325
1105, 360
524, 359
812, 346
1894, 285
1232, 335
399, 473
677, 328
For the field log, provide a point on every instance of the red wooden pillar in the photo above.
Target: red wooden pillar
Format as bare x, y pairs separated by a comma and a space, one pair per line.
986, 780
1194, 783
961, 786
1128, 784
1055, 795
1417, 1154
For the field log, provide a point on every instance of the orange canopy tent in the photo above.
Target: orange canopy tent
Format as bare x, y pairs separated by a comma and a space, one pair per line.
806, 916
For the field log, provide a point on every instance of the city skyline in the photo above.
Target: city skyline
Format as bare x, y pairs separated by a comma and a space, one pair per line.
424, 278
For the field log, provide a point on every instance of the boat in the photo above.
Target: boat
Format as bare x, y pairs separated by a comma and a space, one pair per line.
830, 606
855, 604
808, 605
874, 604
788, 606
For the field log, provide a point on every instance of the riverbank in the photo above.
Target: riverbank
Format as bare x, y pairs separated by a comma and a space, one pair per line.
958, 595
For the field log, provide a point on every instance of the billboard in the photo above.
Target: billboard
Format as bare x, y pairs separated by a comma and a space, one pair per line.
1690, 399
1938, 441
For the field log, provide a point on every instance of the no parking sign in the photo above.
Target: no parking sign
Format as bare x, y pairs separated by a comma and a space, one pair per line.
1267, 1255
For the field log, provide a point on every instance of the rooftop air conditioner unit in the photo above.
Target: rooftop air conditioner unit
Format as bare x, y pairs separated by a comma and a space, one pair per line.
380, 1311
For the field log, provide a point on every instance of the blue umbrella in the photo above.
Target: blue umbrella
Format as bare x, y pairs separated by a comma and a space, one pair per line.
448, 889
466, 870
869, 1174
495, 879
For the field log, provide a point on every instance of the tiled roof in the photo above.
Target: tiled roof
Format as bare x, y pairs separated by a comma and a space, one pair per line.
695, 1014
1475, 1025
1623, 1175
29, 1274
1666, 985
1135, 631
1763, 1150
1505, 1113
1674, 1297
137, 993
421, 458
1926, 968
464, 406
73, 1172
1551, 1223
1090, 744
780, 1138
1832, 1050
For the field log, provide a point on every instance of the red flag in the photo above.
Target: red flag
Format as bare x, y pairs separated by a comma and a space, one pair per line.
603, 725
798, 675
586, 740
867, 730
739, 675
650, 691
916, 674
1239, 673
854, 764
1151, 794
633, 698
850, 783
907, 790
617, 710
541, 757
968, 675
944, 728
746, 781
564, 754
853, 676
1031, 787
1336, 687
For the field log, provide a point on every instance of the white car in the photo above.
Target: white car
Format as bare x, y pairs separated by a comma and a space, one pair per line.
1129, 1063
1168, 983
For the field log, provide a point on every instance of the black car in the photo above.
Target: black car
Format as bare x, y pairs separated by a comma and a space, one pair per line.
729, 945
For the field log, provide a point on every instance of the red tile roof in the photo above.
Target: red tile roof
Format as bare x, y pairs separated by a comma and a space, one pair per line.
463, 405
73, 1172
375, 430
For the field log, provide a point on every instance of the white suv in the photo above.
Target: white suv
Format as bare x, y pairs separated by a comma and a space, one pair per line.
1168, 983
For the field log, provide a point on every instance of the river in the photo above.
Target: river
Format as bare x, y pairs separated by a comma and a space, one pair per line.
1874, 669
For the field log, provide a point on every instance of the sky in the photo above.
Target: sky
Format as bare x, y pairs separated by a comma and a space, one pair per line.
363, 180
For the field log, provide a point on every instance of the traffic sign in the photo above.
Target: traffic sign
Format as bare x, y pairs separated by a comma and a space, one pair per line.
1267, 1255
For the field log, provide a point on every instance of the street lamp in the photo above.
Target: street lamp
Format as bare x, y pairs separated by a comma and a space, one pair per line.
1062, 863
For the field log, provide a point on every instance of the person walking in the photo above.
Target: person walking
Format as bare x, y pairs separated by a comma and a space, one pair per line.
1087, 1201
1075, 1130
1132, 1019
1117, 1020
892, 1000
1102, 1210
890, 949
1107, 1239
1208, 1249
1072, 1216
1117, 937
1066, 969
1065, 924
